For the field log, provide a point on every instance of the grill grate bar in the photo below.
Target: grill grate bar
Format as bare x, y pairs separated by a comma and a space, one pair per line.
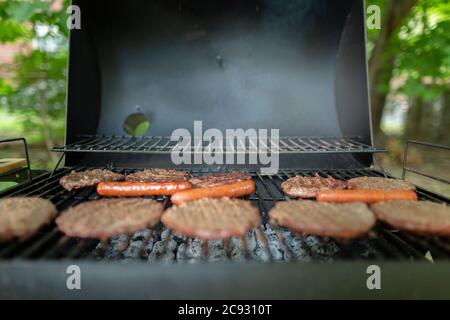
38, 185
288, 254
81, 247
346, 249
405, 247
388, 249
245, 247
38, 246
204, 244
160, 144
262, 238
426, 245
227, 248
57, 249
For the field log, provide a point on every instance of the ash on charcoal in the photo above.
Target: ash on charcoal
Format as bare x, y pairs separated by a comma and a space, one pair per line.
163, 251
117, 246
181, 256
149, 246
216, 251
138, 245
100, 250
274, 244
321, 249
260, 252
134, 250
191, 254
295, 247
283, 245
142, 235
164, 234
250, 237
237, 249
178, 240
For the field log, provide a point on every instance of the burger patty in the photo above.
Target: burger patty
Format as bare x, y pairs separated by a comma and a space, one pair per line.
337, 220
421, 217
21, 217
379, 183
158, 175
307, 187
220, 179
212, 219
103, 219
90, 178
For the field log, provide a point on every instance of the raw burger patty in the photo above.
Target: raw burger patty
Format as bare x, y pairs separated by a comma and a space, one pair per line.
21, 217
421, 217
220, 179
103, 219
158, 175
337, 220
307, 187
212, 219
378, 183
90, 178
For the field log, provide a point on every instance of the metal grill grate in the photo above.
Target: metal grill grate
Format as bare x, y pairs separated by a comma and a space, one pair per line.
265, 243
161, 145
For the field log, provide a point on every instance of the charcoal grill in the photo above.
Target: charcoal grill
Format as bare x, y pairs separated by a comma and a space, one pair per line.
298, 66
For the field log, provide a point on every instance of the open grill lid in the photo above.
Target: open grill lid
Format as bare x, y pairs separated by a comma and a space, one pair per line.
298, 66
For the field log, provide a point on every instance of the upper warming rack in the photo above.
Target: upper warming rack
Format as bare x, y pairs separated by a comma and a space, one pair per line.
164, 145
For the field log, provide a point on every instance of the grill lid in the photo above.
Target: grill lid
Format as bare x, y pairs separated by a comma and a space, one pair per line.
298, 66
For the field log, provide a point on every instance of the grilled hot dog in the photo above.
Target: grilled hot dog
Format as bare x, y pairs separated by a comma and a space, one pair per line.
229, 190
368, 196
137, 189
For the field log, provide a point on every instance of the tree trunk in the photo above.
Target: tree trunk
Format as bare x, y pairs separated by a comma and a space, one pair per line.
444, 125
43, 114
381, 65
413, 129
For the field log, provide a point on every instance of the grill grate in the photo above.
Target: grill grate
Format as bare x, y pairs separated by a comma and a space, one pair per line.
266, 243
163, 145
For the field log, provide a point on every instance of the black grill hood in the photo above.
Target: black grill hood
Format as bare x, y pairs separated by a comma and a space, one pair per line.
298, 66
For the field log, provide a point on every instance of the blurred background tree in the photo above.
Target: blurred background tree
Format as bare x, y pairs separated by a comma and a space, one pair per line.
409, 73
409, 65
410, 58
33, 83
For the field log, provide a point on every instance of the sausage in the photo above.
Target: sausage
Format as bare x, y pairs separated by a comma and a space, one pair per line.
238, 189
368, 196
137, 189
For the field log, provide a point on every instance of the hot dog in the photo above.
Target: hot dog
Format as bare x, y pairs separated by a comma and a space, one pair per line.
137, 189
368, 196
229, 190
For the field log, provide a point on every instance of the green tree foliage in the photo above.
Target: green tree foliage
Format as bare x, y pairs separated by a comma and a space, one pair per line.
419, 51
36, 92
424, 50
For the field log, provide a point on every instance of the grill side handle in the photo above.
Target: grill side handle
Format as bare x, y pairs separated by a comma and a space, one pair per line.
15, 169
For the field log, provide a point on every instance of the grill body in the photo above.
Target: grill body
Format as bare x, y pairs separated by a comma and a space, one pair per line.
269, 262
298, 66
